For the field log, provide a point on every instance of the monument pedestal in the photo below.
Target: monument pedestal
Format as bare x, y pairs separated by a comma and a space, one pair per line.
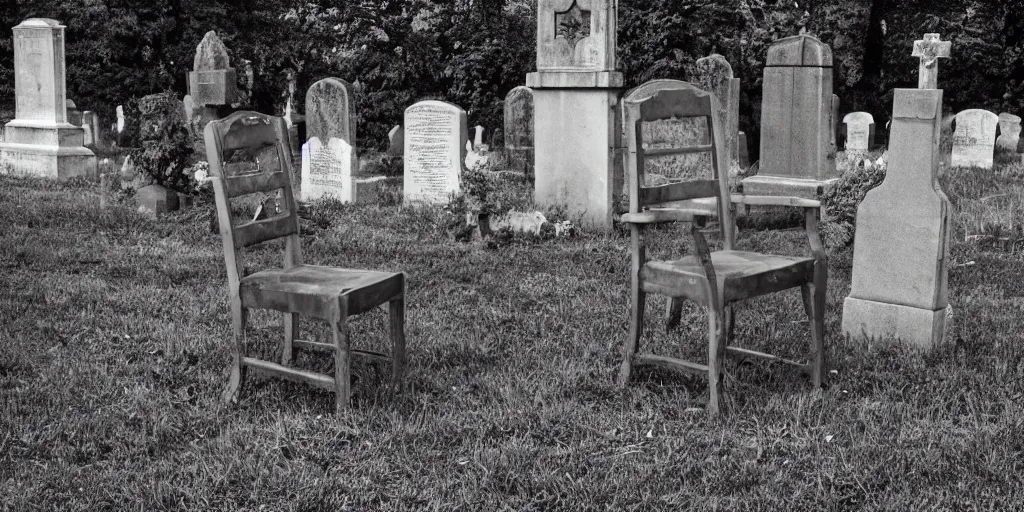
46, 149
576, 133
869, 319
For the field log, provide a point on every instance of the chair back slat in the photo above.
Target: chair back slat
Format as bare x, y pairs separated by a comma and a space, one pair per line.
679, 191
235, 186
259, 231
246, 129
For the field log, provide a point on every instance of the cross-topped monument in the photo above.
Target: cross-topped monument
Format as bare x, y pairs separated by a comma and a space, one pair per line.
930, 50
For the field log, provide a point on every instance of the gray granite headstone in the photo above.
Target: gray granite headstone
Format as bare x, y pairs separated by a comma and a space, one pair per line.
1009, 132
519, 128
330, 111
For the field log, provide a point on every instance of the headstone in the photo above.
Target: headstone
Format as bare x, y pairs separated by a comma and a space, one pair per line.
744, 152
478, 139
519, 129
1009, 132
901, 245
40, 141
714, 74
930, 50
74, 115
576, 91
212, 80
120, 118
834, 144
435, 142
396, 141
974, 139
89, 128
860, 131
327, 170
797, 130
330, 111
155, 200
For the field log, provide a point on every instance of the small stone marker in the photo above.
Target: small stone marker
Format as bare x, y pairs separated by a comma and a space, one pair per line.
120, 118
74, 115
901, 245
435, 150
519, 129
974, 138
327, 170
396, 141
741, 140
930, 50
1009, 132
797, 121
478, 139
40, 141
155, 200
860, 131
212, 80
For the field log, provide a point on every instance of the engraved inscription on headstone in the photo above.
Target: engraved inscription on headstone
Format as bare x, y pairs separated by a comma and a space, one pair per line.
435, 140
327, 170
859, 129
974, 139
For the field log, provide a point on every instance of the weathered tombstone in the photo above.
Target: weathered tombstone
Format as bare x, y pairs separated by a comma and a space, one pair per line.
714, 74
119, 110
478, 139
330, 111
519, 129
901, 254
744, 151
835, 123
860, 131
74, 115
930, 50
575, 90
797, 130
1009, 132
396, 141
212, 80
435, 151
330, 160
39, 140
974, 139
88, 127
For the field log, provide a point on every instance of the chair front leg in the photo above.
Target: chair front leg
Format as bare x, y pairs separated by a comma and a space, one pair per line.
716, 355
816, 296
637, 301
342, 357
239, 318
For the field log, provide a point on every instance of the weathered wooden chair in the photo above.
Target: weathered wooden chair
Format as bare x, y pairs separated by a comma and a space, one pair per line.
713, 279
327, 293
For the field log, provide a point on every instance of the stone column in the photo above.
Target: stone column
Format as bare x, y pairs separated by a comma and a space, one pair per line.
576, 91
40, 141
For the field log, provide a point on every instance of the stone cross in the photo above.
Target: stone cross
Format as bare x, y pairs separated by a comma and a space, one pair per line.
930, 50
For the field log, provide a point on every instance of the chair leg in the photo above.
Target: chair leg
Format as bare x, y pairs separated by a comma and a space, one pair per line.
291, 332
342, 366
638, 302
396, 312
730, 322
239, 317
818, 326
716, 353
674, 312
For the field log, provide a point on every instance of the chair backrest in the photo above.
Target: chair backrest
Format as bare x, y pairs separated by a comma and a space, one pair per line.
251, 134
669, 104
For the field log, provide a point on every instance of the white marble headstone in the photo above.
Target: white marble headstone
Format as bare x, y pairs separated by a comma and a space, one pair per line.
1009, 132
478, 138
974, 138
435, 149
859, 127
120, 118
327, 170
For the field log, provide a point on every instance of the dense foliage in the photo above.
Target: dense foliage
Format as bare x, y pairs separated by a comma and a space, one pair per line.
472, 52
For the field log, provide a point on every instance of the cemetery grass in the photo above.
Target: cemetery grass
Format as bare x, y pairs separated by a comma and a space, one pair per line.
115, 338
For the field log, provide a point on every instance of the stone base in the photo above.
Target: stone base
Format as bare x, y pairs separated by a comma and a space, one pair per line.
47, 161
785, 186
878, 320
361, 190
568, 79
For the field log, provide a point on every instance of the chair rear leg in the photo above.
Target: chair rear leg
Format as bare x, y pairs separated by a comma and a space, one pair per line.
342, 357
291, 332
396, 312
239, 318
818, 326
638, 302
716, 353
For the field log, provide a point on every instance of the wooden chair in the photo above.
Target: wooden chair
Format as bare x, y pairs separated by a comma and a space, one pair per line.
716, 279
328, 293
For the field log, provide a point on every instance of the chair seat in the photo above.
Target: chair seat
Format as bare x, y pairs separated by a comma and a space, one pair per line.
740, 275
314, 290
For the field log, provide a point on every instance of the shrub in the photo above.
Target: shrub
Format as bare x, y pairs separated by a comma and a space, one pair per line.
840, 202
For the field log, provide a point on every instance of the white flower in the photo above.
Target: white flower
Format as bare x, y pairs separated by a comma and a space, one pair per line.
201, 176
